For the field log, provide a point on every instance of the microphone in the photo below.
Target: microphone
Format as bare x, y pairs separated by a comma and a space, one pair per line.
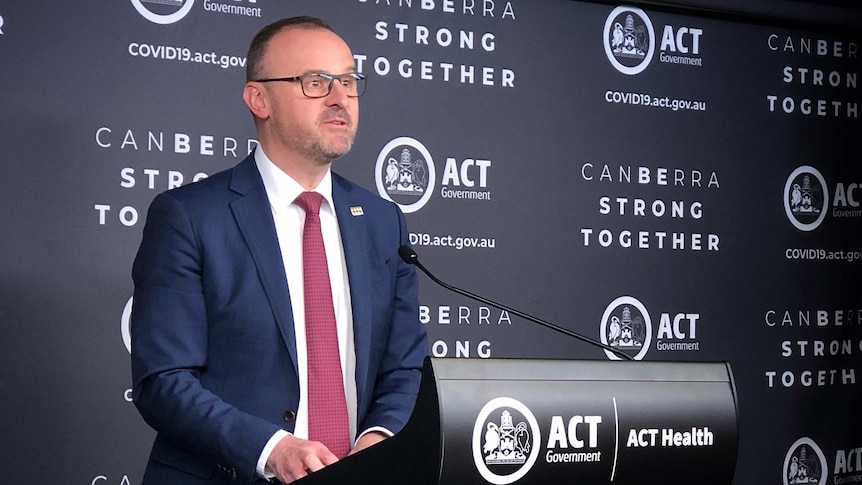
409, 256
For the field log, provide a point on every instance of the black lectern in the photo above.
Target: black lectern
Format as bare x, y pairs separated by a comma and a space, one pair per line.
502, 421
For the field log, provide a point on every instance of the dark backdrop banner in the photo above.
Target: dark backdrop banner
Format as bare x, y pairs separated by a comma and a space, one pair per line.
680, 185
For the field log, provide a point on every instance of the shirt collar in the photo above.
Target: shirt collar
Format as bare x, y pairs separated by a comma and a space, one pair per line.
282, 189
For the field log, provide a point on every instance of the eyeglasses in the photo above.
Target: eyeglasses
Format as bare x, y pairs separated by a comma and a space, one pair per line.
319, 85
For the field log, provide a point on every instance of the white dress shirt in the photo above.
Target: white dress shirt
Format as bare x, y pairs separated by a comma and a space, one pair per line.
289, 219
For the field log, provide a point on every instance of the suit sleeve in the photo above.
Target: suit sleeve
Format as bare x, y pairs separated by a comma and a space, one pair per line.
169, 349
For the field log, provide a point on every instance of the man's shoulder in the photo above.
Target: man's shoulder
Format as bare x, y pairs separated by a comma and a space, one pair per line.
356, 194
223, 185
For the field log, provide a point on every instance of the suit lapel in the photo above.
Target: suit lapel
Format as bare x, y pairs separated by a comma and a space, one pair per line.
354, 239
254, 219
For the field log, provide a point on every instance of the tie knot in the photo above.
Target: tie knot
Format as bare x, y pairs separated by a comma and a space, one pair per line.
310, 202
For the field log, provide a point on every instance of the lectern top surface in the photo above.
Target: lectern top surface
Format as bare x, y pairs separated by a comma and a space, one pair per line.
579, 370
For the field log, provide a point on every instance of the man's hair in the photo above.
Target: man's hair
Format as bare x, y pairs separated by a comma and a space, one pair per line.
258, 44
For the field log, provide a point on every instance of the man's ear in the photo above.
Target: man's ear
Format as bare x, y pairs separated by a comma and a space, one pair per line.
255, 98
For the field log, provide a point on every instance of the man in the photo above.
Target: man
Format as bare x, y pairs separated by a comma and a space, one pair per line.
223, 320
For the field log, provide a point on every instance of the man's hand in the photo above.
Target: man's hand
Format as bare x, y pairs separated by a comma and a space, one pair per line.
368, 439
293, 458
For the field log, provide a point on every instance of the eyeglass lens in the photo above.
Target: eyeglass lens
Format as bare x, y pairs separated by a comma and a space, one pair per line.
319, 85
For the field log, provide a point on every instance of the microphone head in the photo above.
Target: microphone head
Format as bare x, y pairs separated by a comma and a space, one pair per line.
408, 255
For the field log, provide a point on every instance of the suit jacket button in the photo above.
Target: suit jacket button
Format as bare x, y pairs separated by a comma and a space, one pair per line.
290, 416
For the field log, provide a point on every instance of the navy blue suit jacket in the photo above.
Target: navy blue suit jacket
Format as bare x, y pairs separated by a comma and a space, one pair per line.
213, 348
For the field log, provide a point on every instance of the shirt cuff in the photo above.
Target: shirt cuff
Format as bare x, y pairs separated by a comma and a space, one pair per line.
380, 429
261, 469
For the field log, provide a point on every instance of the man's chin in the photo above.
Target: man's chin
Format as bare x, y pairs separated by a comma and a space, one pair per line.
337, 151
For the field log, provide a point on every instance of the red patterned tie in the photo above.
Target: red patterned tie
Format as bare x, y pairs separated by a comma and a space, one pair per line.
327, 407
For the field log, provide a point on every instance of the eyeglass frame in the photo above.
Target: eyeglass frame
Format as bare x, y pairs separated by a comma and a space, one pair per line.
332, 77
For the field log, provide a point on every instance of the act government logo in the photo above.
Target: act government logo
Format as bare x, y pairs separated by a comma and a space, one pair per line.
163, 12
806, 198
805, 463
505, 438
125, 325
626, 326
629, 40
405, 173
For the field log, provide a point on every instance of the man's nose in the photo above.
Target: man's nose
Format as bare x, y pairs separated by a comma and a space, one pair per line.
338, 94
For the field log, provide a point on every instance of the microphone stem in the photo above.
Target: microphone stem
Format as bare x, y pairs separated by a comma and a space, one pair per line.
521, 314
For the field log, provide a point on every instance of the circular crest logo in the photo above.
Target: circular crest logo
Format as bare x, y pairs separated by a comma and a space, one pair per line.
806, 198
405, 173
163, 12
125, 325
805, 463
626, 325
629, 40
505, 439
